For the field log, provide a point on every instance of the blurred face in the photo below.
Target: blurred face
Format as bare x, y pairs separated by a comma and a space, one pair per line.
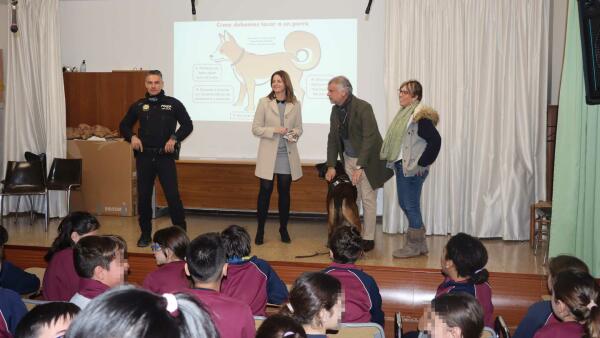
561, 310
154, 84
56, 329
115, 275
278, 85
160, 254
331, 319
336, 95
406, 98
437, 327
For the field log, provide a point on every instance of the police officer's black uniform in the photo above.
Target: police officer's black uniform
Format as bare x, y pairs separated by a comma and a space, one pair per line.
158, 116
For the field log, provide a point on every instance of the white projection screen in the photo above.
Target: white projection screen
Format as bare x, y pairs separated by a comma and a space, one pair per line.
222, 68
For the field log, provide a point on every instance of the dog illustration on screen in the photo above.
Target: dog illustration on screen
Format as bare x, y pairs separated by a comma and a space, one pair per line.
302, 52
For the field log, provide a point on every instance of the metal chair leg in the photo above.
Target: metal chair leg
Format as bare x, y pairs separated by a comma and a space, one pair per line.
31, 218
47, 209
17, 210
2, 198
68, 201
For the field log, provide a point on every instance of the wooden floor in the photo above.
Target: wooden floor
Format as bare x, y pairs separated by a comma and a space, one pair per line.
307, 237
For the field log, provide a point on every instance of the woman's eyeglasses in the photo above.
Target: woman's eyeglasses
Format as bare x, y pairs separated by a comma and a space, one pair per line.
155, 247
403, 91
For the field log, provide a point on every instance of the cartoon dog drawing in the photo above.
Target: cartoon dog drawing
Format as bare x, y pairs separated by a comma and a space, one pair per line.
302, 53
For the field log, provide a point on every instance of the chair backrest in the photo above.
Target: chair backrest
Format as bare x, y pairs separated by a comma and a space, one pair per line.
31, 303
501, 328
65, 171
23, 177
359, 330
31, 157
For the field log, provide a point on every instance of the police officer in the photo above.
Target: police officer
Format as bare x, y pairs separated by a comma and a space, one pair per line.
156, 147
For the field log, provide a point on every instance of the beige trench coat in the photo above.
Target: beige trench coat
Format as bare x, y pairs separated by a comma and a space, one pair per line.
266, 119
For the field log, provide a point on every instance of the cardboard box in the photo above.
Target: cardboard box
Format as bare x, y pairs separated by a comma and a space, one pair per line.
108, 182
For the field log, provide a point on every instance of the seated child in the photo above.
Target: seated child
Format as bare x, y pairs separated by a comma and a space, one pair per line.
363, 301
101, 262
47, 320
12, 310
575, 299
13, 277
206, 265
316, 303
249, 279
540, 314
126, 311
463, 265
169, 246
455, 315
61, 281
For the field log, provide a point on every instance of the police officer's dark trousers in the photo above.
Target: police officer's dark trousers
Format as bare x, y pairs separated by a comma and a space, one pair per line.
149, 165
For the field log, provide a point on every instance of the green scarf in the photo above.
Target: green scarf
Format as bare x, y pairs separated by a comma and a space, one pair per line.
395, 134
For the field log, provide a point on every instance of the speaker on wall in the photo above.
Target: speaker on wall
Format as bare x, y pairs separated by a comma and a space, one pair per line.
589, 25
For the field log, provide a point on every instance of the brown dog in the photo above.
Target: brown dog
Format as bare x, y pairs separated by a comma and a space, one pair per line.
341, 199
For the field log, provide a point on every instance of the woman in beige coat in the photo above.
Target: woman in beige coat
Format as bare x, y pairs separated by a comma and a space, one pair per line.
278, 123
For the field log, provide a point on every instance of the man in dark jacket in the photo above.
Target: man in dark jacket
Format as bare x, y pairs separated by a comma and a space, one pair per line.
156, 147
355, 137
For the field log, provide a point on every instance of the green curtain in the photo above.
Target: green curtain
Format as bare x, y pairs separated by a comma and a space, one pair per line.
575, 226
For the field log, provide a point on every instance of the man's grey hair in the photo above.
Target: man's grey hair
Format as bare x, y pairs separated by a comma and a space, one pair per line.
342, 83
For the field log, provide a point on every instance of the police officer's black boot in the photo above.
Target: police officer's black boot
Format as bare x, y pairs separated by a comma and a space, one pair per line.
144, 240
285, 236
260, 234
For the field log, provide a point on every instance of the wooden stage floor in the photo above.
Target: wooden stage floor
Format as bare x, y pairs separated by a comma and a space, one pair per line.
307, 237
406, 285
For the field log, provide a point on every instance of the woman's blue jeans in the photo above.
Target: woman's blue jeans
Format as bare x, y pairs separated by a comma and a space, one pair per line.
409, 195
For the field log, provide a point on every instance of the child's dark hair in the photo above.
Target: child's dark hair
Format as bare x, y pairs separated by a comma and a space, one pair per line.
44, 315
312, 291
236, 241
278, 326
469, 257
346, 244
205, 257
460, 310
130, 312
80, 222
93, 251
562, 263
173, 238
580, 293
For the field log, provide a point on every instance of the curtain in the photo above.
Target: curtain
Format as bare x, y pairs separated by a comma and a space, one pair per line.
575, 228
35, 116
484, 66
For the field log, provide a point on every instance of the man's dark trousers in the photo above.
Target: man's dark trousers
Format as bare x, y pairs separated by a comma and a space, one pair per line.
149, 165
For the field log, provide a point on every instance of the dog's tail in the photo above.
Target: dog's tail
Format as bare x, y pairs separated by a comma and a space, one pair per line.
300, 41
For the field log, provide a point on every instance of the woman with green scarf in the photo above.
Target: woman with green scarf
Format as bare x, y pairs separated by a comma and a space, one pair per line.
411, 145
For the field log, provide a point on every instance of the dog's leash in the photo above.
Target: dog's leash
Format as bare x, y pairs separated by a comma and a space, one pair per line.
313, 255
